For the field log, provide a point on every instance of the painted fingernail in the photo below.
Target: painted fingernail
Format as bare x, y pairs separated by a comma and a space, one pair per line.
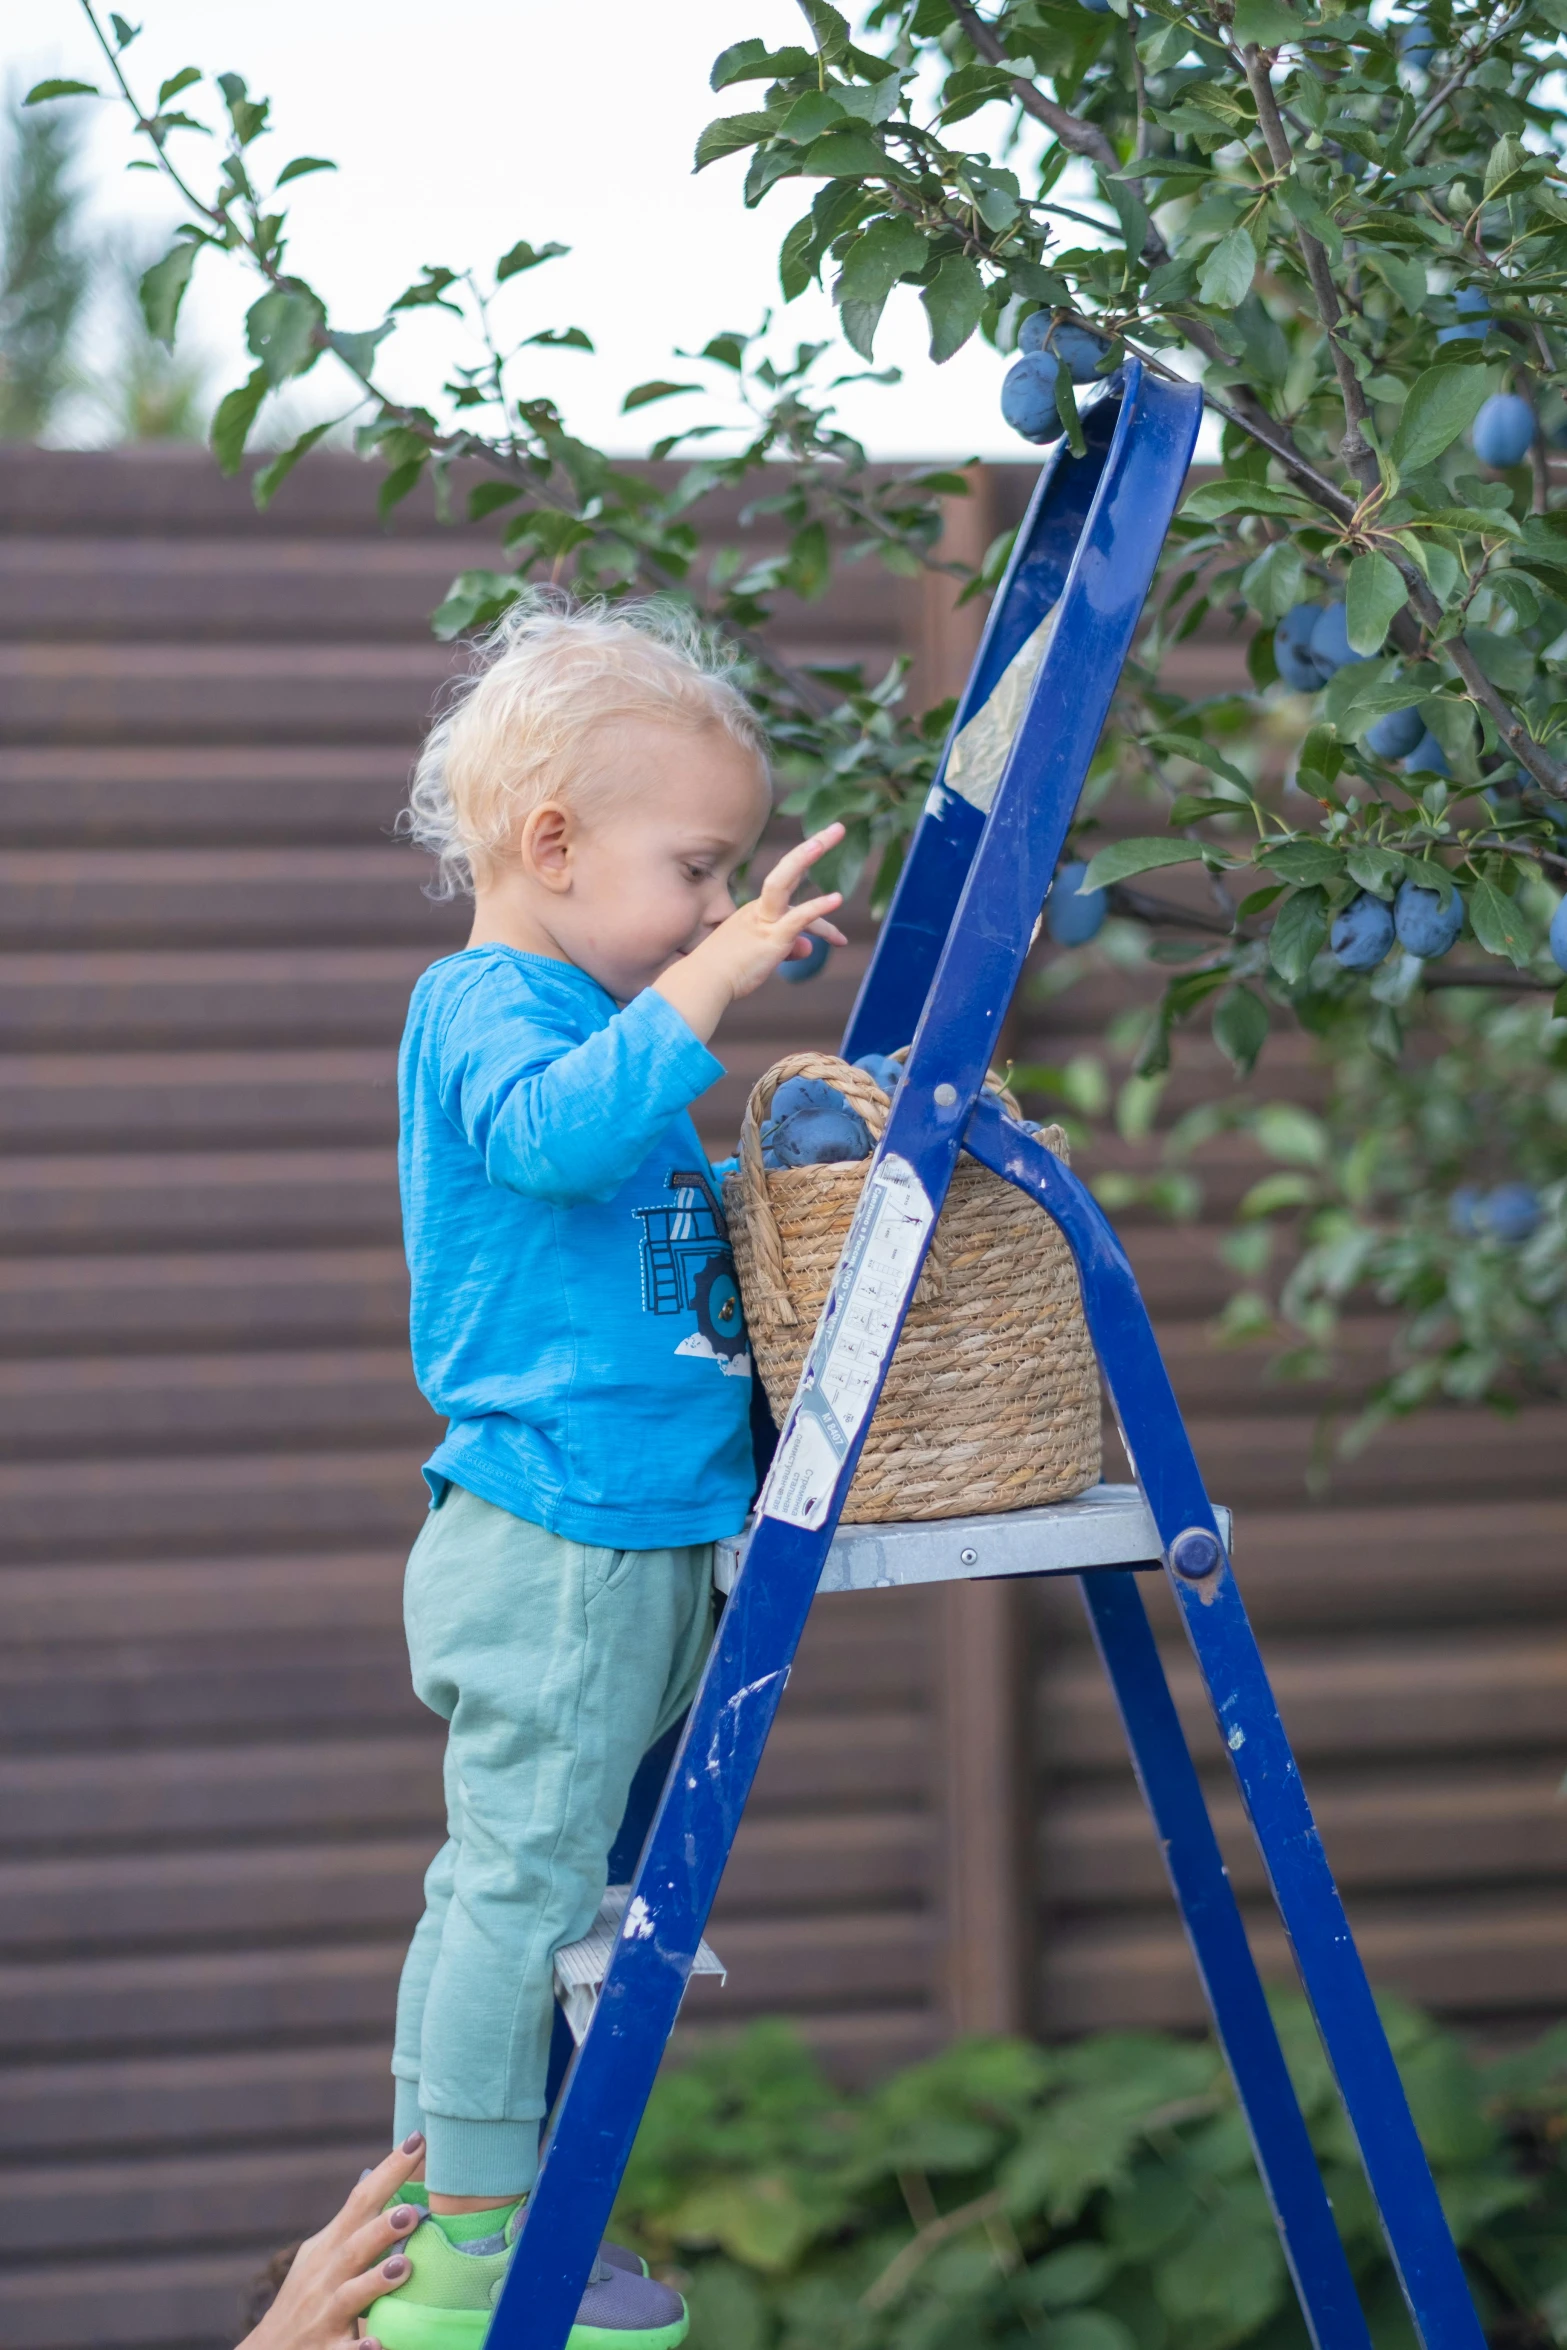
412, 2143
405, 2216
395, 2269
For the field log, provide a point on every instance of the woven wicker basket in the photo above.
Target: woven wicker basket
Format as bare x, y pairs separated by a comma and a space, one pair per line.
992, 1399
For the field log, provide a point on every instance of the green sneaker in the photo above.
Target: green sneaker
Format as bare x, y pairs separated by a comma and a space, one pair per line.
611, 2255
448, 2301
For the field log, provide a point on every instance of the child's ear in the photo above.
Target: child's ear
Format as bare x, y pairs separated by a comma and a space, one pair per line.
545, 845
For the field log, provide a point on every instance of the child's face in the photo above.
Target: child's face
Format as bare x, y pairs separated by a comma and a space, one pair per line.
646, 876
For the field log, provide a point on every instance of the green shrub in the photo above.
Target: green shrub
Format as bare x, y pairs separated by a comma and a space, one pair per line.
1097, 2196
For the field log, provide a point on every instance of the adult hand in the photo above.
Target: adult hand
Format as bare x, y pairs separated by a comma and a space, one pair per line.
735, 959
338, 2273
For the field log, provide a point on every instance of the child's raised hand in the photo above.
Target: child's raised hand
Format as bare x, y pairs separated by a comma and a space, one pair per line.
733, 960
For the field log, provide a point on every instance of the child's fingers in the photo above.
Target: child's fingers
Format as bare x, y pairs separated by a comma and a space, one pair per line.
775, 889
802, 918
825, 930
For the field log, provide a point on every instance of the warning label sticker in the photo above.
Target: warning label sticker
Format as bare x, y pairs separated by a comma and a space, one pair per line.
853, 1340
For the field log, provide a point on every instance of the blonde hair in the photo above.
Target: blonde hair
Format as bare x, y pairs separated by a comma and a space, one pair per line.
549, 673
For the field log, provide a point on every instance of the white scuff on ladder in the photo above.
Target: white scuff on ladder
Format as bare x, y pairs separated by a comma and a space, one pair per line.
580, 1967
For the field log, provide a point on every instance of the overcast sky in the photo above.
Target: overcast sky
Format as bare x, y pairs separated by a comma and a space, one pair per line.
463, 126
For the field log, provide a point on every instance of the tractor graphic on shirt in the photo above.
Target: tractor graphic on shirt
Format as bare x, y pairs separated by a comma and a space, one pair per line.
687, 1267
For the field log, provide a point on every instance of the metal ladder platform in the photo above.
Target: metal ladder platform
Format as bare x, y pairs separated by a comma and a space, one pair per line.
980, 865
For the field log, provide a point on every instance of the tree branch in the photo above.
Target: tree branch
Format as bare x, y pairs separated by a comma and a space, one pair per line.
1434, 104
1356, 450
1077, 136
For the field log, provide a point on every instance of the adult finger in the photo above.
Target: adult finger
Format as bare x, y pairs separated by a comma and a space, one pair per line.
378, 2234
775, 889
354, 2298
394, 2170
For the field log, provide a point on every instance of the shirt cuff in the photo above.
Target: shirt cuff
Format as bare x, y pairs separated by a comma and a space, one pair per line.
678, 1049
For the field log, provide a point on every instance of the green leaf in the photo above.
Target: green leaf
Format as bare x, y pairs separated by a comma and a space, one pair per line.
809, 568
177, 82
891, 248
1066, 408
429, 291
1302, 861
1267, 22
282, 330
487, 497
1510, 165
525, 256
561, 338
797, 258
473, 600
1224, 279
1123, 858
643, 395
236, 413
1375, 592
1212, 500
812, 115
268, 481
300, 165
954, 303
399, 483
753, 61
1272, 581
849, 154
124, 34
729, 134
831, 29
1498, 923
1299, 931
1442, 403
163, 289
42, 92
1240, 1028
358, 350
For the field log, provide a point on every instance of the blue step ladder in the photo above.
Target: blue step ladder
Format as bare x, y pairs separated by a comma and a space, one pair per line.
954, 942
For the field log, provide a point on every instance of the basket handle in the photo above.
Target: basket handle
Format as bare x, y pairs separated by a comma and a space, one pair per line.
863, 1094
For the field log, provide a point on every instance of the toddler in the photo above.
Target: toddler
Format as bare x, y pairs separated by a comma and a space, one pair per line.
596, 783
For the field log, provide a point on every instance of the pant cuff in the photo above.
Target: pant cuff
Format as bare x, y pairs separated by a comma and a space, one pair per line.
480, 2158
406, 2114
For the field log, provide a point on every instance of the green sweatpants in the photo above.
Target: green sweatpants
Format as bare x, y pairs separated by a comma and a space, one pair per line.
557, 1666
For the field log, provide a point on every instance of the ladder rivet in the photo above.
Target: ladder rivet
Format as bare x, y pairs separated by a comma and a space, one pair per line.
945, 1096
968, 1557
1195, 1553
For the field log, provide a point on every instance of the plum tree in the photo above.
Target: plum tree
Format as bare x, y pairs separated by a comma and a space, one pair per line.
1350, 223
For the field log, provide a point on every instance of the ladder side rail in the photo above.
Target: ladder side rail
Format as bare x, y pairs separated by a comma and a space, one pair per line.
613, 2072
1231, 1984
911, 938
1236, 1680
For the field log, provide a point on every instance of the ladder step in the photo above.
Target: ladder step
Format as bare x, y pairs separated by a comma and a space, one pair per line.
580, 1967
1108, 1526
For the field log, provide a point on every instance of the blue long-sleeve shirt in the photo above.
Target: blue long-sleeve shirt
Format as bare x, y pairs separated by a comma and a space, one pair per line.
575, 1313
